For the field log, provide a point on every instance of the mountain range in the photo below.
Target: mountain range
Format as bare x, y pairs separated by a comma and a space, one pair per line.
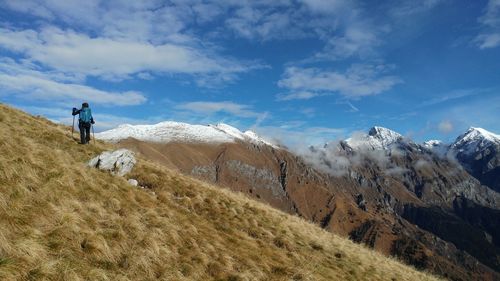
435, 206
71, 212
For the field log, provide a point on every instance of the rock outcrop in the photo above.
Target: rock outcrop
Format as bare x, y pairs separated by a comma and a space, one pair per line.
118, 162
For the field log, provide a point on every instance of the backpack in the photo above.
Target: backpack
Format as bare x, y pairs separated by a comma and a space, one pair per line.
85, 115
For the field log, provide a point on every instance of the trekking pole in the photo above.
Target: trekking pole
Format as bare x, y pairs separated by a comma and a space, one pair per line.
93, 135
73, 127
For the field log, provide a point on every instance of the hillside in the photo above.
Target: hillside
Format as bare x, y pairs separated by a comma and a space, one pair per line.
378, 189
62, 220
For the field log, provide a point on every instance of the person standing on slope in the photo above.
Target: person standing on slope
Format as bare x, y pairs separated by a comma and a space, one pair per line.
85, 121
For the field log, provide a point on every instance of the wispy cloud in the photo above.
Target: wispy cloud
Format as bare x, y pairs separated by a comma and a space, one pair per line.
409, 7
72, 52
300, 95
353, 108
34, 88
158, 21
453, 95
32, 85
357, 40
134, 21
445, 127
488, 40
207, 107
490, 21
358, 81
239, 115
480, 112
308, 111
299, 135
103, 121
220, 111
265, 23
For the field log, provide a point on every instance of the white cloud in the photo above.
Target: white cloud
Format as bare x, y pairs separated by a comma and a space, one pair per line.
453, 95
445, 127
333, 159
40, 89
103, 121
341, 24
409, 7
157, 21
109, 121
486, 41
396, 171
25, 67
356, 40
490, 21
308, 111
115, 40
346, 28
353, 108
26, 82
357, 81
30, 7
479, 112
422, 164
72, 52
297, 135
206, 107
267, 22
327, 6
133, 20
491, 16
301, 95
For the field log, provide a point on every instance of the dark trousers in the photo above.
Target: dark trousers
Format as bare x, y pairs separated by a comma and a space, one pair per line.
84, 132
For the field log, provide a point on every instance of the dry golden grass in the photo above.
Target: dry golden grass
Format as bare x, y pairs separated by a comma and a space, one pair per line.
61, 220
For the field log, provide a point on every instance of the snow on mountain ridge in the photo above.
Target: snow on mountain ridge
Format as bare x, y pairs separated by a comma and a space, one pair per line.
432, 143
246, 136
386, 136
253, 135
377, 138
170, 131
474, 134
474, 139
436, 146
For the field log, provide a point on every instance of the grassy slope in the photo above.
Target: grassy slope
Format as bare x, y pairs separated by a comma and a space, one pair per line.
60, 220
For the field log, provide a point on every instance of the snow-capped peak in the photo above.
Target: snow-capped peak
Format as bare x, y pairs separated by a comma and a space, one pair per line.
436, 146
228, 129
253, 136
170, 131
248, 135
473, 139
474, 134
386, 136
432, 143
377, 138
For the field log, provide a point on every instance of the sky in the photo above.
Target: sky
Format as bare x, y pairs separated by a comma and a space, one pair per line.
297, 71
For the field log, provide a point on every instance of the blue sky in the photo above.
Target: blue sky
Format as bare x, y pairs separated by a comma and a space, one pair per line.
303, 71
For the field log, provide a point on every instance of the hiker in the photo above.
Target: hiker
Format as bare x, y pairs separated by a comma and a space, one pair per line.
85, 121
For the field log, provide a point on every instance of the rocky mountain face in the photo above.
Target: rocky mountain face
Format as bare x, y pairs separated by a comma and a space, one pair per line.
479, 153
380, 189
424, 189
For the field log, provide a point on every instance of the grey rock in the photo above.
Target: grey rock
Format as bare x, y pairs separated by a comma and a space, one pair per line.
133, 182
208, 172
264, 178
118, 162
